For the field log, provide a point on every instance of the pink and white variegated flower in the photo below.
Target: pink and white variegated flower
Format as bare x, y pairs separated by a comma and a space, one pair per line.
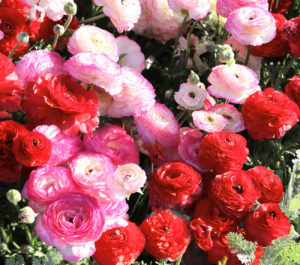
197, 9
90, 171
72, 223
115, 143
233, 116
97, 69
209, 121
251, 25
225, 7
46, 184
93, 39
54, 8
36, 13
234, 83
122, 13
130, 54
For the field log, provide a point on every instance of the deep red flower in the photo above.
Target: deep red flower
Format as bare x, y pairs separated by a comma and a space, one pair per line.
283, 6
18, 5
292, 89
201, 234
223, 151
167, 235
174, 185
269, 114
7, 67
267, 223
120, 245
11, 93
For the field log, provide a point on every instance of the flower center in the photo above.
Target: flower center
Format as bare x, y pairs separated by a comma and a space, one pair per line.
239, 189
6, 27
192, 95
272, 213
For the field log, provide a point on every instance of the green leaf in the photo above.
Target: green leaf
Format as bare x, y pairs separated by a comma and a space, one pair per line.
18, 260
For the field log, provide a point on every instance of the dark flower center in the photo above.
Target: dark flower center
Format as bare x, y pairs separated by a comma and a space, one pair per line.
165, 228
272, 213
34, 142
6, 27
192, 95
239, 189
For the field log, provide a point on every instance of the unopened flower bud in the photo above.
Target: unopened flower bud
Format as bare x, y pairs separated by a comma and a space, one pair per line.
70, 8
27, 215
14, 196
23, 37
226, 54
59, 30
193, 78
36, 13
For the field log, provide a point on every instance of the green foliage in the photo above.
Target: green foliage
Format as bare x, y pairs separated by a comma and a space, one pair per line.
17, 260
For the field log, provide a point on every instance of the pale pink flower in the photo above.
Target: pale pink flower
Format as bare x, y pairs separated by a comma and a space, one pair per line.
38, 63
234, 83
27, 215
72, 224
197, 9
158, 124
209, 102
191, 96
36, 13
128, 179
64, 147
122, 13
209, 121
97, 69
93, 39
225, 7
46, 184
104, 99
30, 2
90, 172
233, 116
251, 25
114, 142
131, 54
54, 8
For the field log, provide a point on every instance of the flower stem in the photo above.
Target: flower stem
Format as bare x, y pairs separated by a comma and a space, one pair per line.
14, 50
179, 260
284, 72
92, 19
248, 55
188, 48
66, 25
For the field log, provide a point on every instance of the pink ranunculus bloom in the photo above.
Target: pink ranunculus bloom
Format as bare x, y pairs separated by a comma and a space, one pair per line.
209, 121
233, 116
136, 97
45, 184
93, 39
54, 8
38, 63
97, 69
251, 25
131, 53
30, 2
158, 124
36, 13
114, 142
104, 100
122, 13
225, 7
197, 9
64, 147
90, 172
72, 223
234, 83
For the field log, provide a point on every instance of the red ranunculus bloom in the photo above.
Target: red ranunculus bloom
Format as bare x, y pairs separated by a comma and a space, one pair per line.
60, 100
283, 6
167, 236
32, 149
120, 245
201, 233
12, 23
223, 151
11, 93
269, 114
267, 223
292, 89
268, 183
7, 67
174, 185
18, 5
234, 193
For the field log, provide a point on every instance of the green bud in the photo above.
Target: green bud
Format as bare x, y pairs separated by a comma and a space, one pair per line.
193, 79
27, 215
13, 196
226, 54
23, 37
59, 30
70, 9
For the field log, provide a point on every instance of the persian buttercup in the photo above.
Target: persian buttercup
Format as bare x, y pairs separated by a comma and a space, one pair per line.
36, 13
95, 68
209, 121
225, 7
93, 39
54, 8
122, 13
197, 9
158, 124
115, 143
130, 54
38, 63
91, 171
251, 25
234, 83
72, 224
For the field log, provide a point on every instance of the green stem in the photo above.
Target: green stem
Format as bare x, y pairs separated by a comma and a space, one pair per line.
284, 72
92, 19
14, 50
138, 200
54, 43
66, 25
248, 55
179, 260
188, 48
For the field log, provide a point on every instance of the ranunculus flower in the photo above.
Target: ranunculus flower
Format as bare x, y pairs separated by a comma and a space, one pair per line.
93, 39
251, 25
32, 149
54, 8
115, 143
7, 67
267, 223
11, 93
175, 185
223, 151
72, 224
234, 193
60, 100
268, 183
36, 13
201, 234
209, 121
234, 83
292, 89
19, 5
167, 236
121, 245
269, 114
